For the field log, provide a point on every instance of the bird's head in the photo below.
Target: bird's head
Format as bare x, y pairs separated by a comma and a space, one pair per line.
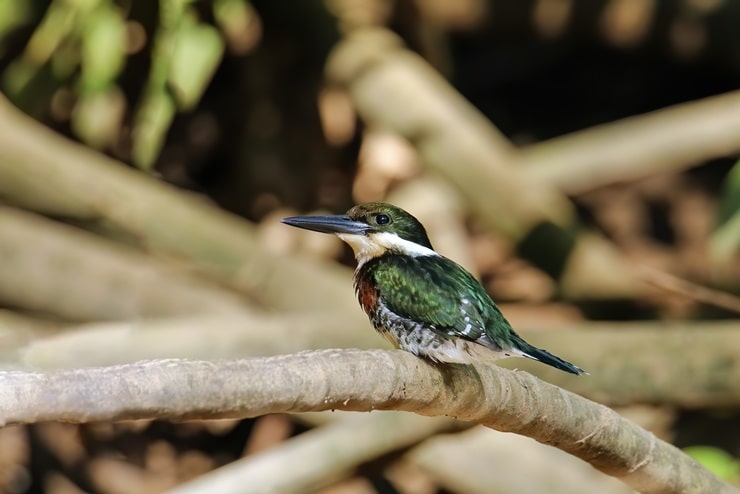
372, 229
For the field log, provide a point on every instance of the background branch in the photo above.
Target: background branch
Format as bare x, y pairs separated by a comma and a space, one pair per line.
318, 457
44, 171
109, 281
670, 139
396, 90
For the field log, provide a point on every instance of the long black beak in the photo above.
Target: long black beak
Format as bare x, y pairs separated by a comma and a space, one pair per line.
328, 224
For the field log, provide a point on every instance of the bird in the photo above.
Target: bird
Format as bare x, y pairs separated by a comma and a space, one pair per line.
419, 300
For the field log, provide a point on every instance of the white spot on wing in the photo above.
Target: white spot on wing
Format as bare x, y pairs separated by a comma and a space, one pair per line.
465, 307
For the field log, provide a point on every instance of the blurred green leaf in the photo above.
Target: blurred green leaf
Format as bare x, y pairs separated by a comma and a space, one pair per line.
729, 204
103, 48
152, 121
54, 28
238, 22
13, 14
197, 52
56, 25
725, 241
65, 61
715, 460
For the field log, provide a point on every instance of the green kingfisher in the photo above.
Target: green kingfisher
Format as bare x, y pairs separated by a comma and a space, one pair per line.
417, 299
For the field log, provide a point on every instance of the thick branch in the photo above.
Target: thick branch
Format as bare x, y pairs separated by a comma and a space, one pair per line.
360, 381
629, 362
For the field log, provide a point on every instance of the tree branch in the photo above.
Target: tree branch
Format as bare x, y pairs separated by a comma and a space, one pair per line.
666, 140
359, 381
61, 270
395, 89
43, 171
317, 458
631, 362
481, 461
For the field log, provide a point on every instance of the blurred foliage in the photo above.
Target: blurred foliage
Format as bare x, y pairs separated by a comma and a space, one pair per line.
74, 58
717, 461
726, 238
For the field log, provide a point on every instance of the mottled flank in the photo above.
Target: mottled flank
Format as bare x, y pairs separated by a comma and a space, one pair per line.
417, 306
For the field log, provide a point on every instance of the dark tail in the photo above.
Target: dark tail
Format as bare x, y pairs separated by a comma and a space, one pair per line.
546, 357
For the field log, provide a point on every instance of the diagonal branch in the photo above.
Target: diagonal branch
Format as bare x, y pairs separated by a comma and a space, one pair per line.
359, 381
667, 140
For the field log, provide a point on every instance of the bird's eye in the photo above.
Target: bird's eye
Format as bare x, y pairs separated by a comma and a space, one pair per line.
382, 219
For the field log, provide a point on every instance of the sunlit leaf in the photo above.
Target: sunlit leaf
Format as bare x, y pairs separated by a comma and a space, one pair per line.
239, 24
103, 48
725, 240
715, 460
152, 121
13, 14
56, 26
197, 52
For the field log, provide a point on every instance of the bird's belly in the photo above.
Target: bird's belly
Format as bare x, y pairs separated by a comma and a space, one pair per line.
420, 340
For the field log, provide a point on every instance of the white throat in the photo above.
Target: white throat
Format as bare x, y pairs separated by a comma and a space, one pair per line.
374, 245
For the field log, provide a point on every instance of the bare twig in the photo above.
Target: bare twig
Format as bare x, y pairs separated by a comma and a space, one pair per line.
360, 381
703, 294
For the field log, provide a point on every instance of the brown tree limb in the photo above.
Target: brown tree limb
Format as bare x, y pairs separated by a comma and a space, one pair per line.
61, 270
211, 336
395, 89
321, 456
667, 140
46, 172
360, 381
481, 461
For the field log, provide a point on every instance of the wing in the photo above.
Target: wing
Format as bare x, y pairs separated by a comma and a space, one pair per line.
433, 290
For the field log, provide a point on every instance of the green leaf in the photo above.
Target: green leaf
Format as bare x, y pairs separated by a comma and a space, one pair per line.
152, 121
103, 48
197, 53
239, 24
715, 460
13, 14
725, 240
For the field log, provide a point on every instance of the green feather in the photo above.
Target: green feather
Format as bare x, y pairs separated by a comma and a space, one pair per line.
436, 291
